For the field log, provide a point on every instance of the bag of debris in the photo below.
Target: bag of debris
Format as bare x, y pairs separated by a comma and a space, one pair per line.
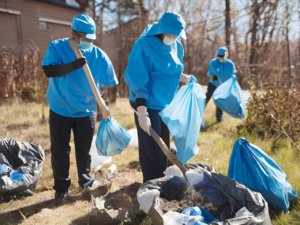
21, 165
183, 117
164, 199
252, 167
229, 98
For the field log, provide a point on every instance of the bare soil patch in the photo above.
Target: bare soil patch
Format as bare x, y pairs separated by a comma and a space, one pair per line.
178, 198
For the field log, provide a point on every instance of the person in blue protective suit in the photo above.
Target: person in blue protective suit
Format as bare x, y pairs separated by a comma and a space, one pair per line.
71, 100
153, 74
220, 70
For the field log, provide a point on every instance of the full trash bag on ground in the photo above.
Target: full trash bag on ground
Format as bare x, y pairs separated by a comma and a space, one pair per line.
97, 160
229, 98
252, 167
223, 197
112, 138
183, 117
21, 165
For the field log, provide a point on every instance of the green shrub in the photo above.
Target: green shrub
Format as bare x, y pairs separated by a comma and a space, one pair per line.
275, 113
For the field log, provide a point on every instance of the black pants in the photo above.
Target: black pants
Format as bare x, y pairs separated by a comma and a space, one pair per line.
210, 90
60, 134
152, 159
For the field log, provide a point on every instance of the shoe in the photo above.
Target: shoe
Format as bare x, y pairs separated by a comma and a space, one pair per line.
61, 194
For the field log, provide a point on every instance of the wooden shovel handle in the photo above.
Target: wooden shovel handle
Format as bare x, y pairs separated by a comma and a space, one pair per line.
100, 101
172, 157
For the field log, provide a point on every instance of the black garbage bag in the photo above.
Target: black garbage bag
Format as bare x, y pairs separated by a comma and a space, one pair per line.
21, 165
223, 196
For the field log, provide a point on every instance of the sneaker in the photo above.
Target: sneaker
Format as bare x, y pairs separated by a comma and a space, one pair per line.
61, 194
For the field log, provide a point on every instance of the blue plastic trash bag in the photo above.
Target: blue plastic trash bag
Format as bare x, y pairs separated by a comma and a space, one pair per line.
112, 139
251, 166
16, 176
229, 98
206, 217
184, 117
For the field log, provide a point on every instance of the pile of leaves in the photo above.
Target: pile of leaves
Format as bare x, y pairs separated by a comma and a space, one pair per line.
275, 113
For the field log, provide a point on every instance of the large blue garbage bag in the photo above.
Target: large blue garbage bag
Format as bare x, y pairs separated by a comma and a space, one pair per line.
184, 117
112, 139
251, 166
229, 98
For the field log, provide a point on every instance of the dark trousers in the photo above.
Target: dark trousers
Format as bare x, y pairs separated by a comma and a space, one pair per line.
152, 159
210, 90
60, 133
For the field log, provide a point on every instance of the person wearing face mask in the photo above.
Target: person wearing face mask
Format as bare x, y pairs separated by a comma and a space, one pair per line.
220, 70
71, 100
153, 74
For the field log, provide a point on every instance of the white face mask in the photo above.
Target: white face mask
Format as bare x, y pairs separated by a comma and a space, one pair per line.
222, 60
168, 41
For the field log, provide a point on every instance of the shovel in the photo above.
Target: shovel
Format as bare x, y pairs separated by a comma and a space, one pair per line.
170, 155
112, 139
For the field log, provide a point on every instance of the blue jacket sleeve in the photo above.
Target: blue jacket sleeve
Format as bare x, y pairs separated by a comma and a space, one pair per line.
51, 57
137, 72
233, 69
210, 71
108, 75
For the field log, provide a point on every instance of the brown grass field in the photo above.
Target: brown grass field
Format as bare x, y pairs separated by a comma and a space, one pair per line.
23, 120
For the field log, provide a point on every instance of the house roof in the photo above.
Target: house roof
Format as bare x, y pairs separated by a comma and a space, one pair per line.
128, 23
61, 3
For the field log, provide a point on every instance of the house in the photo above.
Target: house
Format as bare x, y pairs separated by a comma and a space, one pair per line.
38, 20
117, 43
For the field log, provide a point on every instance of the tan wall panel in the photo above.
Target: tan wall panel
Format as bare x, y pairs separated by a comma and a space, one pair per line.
61, 31
8, 30
2, 3
32, 11
14, 4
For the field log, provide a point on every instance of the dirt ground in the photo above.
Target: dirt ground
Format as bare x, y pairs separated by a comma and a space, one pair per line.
179, 197
43, 209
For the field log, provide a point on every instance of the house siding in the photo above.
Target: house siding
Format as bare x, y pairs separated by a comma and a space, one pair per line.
9, 30
27, 27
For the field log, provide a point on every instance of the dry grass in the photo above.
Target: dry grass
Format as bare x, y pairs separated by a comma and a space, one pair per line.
23, 121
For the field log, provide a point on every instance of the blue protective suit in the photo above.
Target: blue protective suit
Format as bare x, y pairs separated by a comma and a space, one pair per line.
71, 95
154, 70
222, 70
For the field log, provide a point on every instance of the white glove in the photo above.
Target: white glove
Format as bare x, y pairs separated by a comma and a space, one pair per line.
144, 119
186, 78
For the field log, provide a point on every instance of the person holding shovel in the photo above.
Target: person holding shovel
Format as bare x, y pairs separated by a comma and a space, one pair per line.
72, 102
153, 74
220, 70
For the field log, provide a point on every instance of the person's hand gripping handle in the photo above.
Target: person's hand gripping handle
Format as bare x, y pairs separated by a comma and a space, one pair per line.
100, 101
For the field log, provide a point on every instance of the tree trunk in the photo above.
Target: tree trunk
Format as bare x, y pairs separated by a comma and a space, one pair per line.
255, 7
143, 14
120, 45
99, 42
288, 44
93, 10
227, 24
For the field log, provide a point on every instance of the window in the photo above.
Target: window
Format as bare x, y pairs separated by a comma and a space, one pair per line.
45, 26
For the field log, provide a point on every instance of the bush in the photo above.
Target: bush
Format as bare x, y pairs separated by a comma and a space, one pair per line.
275, 113
21, 73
